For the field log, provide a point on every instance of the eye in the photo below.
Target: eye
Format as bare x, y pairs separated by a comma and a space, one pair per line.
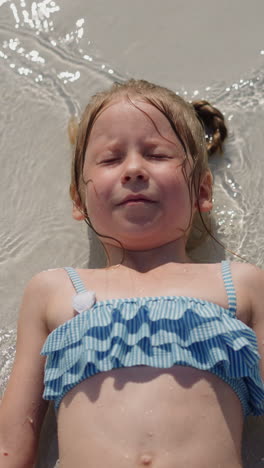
159, 156
109, 161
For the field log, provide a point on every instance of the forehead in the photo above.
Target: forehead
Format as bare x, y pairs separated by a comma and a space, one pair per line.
131, 118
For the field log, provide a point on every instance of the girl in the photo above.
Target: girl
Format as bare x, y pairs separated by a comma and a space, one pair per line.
153, 360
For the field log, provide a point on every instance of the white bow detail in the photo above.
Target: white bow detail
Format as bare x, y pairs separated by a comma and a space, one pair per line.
83, 301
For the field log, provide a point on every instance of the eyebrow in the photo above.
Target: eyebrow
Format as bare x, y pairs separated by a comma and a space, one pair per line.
163, 143
153, 144
150, 144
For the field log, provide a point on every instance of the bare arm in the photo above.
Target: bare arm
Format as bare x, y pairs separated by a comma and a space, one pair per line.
22, 409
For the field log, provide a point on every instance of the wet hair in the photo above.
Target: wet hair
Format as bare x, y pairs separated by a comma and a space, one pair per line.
199, 126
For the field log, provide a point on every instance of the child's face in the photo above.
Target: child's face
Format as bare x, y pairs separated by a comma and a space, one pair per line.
135, 189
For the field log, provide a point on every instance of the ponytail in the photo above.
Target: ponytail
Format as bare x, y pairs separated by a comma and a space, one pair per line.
213, 122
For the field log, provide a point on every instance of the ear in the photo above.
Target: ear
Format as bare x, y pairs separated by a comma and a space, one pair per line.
205, 192
77, 206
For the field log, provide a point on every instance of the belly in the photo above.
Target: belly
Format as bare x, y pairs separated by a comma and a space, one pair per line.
143, 416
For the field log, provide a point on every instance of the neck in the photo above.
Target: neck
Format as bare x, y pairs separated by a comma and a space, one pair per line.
146, 260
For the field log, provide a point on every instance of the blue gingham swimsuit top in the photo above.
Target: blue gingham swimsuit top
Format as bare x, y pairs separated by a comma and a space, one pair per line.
154, 331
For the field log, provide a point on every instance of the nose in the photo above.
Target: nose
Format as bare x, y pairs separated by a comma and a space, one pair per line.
134, 169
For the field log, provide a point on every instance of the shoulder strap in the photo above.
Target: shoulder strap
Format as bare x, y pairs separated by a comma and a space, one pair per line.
76, 280
229, 286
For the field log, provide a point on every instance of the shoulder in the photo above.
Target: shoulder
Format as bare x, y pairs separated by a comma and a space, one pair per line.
50, 293
47, 299
45, 282
49, 280
250, 279
42, 287
250, 275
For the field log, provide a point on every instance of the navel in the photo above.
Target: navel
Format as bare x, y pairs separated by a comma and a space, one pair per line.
145, 460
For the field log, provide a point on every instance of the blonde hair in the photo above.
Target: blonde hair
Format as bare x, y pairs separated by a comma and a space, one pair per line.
199, 126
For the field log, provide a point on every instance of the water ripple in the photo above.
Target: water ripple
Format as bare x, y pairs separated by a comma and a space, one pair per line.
7, 351
53, 60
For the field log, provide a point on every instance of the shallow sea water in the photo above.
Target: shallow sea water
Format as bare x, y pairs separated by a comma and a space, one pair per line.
48, 71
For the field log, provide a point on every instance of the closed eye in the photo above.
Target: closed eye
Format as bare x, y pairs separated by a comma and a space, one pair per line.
159, 156
115, 160
109, 161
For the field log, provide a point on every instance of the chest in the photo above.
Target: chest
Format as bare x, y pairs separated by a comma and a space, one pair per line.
187, 283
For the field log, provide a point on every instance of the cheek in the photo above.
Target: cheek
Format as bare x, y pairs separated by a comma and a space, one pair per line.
175, 186
99, 191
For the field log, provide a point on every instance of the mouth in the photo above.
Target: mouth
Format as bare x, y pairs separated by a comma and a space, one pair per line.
132, 200
136, 202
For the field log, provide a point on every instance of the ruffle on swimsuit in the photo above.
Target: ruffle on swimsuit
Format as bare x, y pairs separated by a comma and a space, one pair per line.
154, 331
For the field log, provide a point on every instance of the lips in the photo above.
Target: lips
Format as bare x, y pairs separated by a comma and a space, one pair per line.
136, 199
